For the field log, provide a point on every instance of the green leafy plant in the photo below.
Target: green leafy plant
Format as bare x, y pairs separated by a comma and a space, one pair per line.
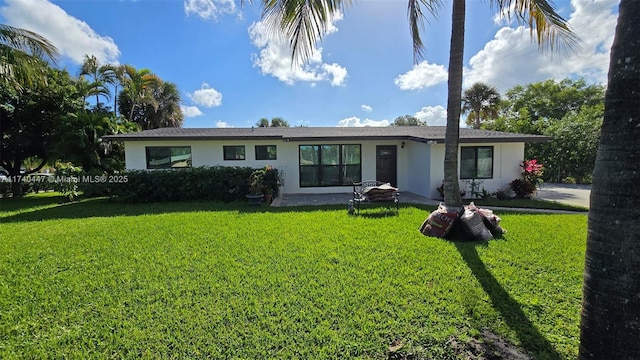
532, 172
523, 188
66, 179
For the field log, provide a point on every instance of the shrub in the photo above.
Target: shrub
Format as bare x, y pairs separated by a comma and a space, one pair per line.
522, 188
219, 183
532, 172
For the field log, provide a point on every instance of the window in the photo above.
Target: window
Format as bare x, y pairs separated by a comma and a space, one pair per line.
233, 152
266, 152
476, 162
329, 165
167, 157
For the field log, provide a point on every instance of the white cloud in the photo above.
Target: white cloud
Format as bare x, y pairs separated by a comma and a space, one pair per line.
206, 96
190, 111
356, 122
209, 9
421, 76
433, 115
73, 38
222, 124
366, 108
275, 58
337, 73
512, 58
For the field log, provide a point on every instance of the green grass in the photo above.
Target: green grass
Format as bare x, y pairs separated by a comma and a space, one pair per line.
98, 279
528, 204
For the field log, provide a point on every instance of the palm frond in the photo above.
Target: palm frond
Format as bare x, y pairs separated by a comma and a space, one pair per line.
303, 22
417, 19
552, 31
28, 42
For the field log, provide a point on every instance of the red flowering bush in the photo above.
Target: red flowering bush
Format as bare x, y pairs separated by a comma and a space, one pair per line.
531, 178
532, 172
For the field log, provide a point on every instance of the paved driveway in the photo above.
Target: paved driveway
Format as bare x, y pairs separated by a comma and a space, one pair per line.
577, 195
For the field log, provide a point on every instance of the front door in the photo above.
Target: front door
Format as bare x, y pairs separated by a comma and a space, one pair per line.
386, 164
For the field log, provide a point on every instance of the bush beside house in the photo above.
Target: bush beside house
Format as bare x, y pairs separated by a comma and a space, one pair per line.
194, 184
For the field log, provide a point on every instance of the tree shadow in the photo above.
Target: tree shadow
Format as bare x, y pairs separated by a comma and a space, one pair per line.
37, 209
533, 342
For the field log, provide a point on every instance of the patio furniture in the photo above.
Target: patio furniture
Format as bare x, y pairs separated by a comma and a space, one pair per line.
373, 191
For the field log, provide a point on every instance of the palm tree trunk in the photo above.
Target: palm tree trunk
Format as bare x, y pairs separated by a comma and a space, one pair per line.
610, 326
451, 186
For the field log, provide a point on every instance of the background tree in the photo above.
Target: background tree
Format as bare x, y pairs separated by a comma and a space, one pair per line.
100, 76
550, 100
157, 104
481, 102
81, 141
275, 122
305, 22
570, 155
137, 90
31, 121
279, 122
23, 56
264, 122
86, 89
407, 120
548, 108
611, 294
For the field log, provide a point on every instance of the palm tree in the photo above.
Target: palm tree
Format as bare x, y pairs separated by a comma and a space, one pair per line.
86, 89
610, 326
481, 101
304, 22
99, 74
159, 108
115, 77
167, 113
23, 54
138, 86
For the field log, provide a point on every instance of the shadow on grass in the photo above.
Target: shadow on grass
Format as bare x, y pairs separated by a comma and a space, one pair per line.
50, 208
533, 342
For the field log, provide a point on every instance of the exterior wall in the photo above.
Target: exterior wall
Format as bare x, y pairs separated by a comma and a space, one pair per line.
420, 165
209, 153
506, 166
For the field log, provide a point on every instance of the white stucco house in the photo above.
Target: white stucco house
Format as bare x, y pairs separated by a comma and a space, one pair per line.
329, 159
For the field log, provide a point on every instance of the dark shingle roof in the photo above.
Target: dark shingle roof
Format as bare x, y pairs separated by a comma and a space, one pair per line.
416, 133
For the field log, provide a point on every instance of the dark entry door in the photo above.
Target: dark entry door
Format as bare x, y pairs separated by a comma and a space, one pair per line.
387, 164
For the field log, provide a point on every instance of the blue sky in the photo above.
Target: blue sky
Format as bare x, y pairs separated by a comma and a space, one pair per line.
231, 72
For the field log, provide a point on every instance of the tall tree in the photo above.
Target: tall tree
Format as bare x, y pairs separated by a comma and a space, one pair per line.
275, 122
116, 79
138, 88
481, 102
159, 108
86, 89
23, 56
407, 120
264, 122
81, 140
31, 120
610, 326
566, 110
100, 76
279, 122
549, 100
304, 22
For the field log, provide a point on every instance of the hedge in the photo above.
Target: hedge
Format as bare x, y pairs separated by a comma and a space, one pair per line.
220, 183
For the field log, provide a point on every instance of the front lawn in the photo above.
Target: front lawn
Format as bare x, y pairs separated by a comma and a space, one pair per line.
98, 279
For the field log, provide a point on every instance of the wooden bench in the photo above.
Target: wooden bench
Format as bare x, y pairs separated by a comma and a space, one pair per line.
373, 191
